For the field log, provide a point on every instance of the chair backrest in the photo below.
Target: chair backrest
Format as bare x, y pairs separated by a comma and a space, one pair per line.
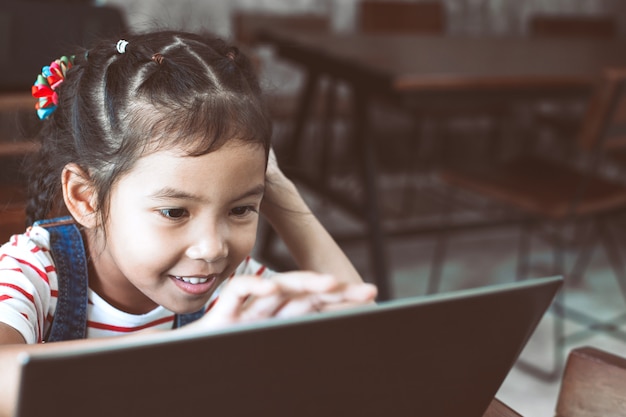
33, 33
594, 384
604, 123
379, 16
589, 26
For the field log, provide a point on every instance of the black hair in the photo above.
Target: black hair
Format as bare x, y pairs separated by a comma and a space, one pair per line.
167, 89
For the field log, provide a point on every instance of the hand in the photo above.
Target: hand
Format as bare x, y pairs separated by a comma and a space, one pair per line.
280, 192
273, 173
249, 298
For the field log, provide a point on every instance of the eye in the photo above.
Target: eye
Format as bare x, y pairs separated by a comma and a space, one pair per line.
173, 213
243, 210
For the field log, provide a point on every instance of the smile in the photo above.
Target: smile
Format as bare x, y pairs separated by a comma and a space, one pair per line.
198, 285
192, 280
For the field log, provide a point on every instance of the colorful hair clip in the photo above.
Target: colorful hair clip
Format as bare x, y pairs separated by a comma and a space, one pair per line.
51, 77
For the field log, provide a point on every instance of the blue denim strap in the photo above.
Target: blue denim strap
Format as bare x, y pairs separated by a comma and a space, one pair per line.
182, 319
68, 252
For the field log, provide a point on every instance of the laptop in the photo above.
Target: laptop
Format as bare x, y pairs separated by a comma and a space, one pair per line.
440, 355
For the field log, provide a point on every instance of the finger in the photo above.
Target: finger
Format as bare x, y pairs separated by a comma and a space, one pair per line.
262, 307
301, 282
362, 292
233, 296
346, 296
291, 286
352, 295
298, 306
346, 293
271, 157
340, 306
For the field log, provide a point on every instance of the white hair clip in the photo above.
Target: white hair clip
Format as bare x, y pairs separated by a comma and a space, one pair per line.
121, 46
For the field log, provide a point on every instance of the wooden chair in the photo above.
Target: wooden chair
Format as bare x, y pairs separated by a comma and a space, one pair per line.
376, 16
561, 119
593, 384
561, 196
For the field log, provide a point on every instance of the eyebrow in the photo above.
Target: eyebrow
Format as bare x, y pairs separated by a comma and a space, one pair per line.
169, 193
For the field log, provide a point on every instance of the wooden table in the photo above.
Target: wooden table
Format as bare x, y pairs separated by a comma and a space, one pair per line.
421, 72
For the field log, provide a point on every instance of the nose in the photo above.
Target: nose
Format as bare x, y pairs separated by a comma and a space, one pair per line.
208, 243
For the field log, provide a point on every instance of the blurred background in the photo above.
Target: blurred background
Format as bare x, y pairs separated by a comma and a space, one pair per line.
446, 144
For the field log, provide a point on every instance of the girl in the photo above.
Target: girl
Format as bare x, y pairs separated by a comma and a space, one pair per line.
156, 148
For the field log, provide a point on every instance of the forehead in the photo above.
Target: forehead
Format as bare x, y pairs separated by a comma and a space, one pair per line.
234, 165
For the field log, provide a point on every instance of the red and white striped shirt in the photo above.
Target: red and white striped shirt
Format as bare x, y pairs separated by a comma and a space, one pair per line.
29, 290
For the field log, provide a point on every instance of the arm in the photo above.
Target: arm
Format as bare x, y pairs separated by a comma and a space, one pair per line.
308, 241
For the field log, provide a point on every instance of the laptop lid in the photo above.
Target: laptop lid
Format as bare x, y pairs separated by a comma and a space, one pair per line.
440, 355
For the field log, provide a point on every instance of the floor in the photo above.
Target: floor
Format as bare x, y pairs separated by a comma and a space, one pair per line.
484, 258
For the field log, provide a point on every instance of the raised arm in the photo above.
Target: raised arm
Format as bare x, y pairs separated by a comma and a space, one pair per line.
310, 244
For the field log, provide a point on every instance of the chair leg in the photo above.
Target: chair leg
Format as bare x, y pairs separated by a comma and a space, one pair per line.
302, 113
411, 156
372, 205
328, 132
558, 354
588, 243
592, 325
441, 245
523, 256
558, 350
597, 231
439, 255
611, 246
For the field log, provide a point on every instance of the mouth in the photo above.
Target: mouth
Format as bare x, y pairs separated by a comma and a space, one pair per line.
195, 285
192, 280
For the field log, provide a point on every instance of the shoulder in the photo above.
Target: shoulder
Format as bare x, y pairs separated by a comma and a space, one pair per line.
31, 246
28, 283
26, 261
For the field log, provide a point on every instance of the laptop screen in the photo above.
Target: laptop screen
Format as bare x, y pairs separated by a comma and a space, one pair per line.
439, 355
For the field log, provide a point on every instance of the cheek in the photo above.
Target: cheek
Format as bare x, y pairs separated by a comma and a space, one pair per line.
243, 240
133, 242
134, 238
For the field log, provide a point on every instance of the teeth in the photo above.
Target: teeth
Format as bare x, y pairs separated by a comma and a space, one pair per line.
193, 280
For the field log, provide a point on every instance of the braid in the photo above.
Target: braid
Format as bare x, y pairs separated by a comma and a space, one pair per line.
44, 172
40, 195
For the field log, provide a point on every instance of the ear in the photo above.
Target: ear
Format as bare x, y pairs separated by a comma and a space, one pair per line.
79, 195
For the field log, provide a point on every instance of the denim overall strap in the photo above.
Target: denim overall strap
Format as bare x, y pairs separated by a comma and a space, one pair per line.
68, 251
182, 319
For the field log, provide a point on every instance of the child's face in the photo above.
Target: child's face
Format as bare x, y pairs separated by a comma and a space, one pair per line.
178, 227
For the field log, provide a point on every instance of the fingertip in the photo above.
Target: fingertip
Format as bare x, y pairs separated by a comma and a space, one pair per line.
373, 289
329, 282
253, 285
364, 292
